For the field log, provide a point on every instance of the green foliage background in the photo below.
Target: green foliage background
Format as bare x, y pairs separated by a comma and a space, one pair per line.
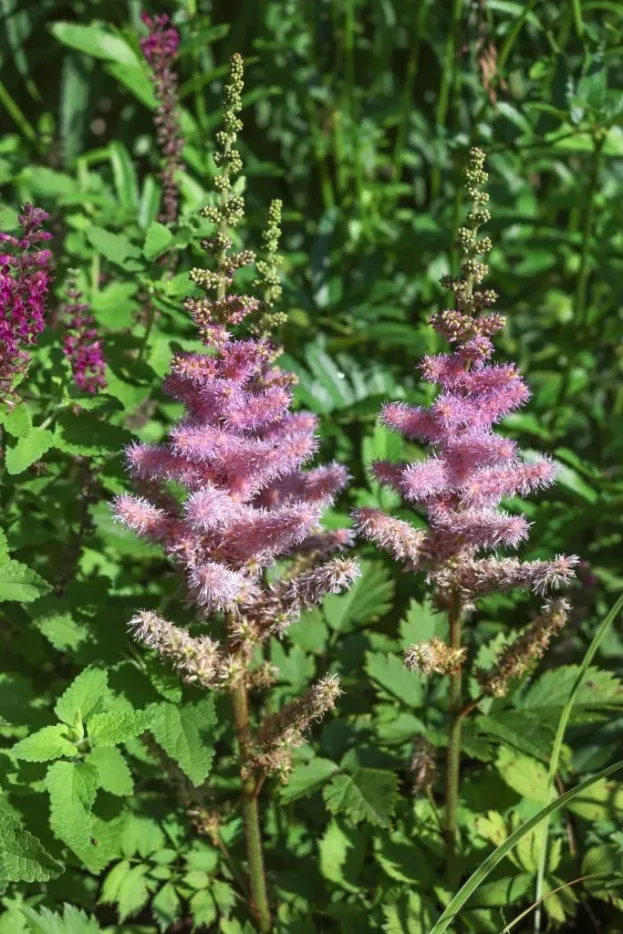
358, 115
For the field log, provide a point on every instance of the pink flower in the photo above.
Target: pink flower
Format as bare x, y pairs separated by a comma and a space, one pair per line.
82, 346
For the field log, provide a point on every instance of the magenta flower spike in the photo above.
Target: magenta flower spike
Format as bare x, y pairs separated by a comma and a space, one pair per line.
81, 344
160, 50
239, 453
24, 282
470, 470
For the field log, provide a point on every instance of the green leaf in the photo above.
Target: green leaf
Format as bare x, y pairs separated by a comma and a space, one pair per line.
166, 906
28, 450
21, 583
82, 697
421, 623
4, 547
181, 733
367, 794
404, 860
203, 909
526, 776
519, 729
504, 891
72, 921
369, 598
115, 248
598, 689
112, 770
307, 778
94, 41
157, 240
389, 672
342, 855
72, 787
17, 422
124, 174
119, 724
22, 856
133, 892
85, 434
44, 745
602, 801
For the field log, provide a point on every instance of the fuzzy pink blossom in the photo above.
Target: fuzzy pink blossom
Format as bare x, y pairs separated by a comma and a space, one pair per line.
471, 470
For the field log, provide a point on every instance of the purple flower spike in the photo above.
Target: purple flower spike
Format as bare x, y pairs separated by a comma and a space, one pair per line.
160, 51
81, 345
24, 282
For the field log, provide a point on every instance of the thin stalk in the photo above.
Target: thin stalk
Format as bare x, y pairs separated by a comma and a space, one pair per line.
250, 812
18, 117
200, 105
453, 759
447, 83
576, 6
412, 68
557, 748
581, 313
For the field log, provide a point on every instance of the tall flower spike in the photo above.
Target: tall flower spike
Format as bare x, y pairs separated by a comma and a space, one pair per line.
24, 282
81, 344
269, 279
160, 50
471, 469
239, 453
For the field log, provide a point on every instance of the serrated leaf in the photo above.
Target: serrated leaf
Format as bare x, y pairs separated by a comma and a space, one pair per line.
203, 909
18, 421
421, 623
367, 794
141, 836
307, 778
28, 450
342, 855
112, 770
526, 776
599, 688
517, 728
389, 672
602, 801
157, 239
503, 891
166, 906
115, 248
87, 435
181, 731
368, 599
72, 921
83, 696
22, 857
405, 861
44, 745
72, 787
19, 582
133, 892
119, 724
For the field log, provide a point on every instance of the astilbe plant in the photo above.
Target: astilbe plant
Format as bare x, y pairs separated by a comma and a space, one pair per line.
460, 488
160, 49
25, 278
238, 453
82, 345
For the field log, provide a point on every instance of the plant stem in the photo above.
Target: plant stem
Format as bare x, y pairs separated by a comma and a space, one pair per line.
448, 80
252, 833
453, 759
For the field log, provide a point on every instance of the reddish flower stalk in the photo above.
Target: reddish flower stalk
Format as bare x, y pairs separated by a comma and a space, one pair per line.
160, 51
81, 344
460, 487
24, 282
239, 454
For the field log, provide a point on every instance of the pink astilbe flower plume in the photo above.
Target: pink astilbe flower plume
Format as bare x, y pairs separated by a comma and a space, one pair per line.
239, 454
160, 50
471, 469
24, 282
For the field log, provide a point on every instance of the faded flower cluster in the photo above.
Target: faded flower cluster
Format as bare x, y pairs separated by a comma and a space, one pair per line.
82, 345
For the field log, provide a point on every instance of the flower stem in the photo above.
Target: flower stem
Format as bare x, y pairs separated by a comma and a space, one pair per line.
454, 749
253, 837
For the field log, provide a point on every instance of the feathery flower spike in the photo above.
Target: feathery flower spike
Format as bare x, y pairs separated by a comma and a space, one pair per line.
81, 344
